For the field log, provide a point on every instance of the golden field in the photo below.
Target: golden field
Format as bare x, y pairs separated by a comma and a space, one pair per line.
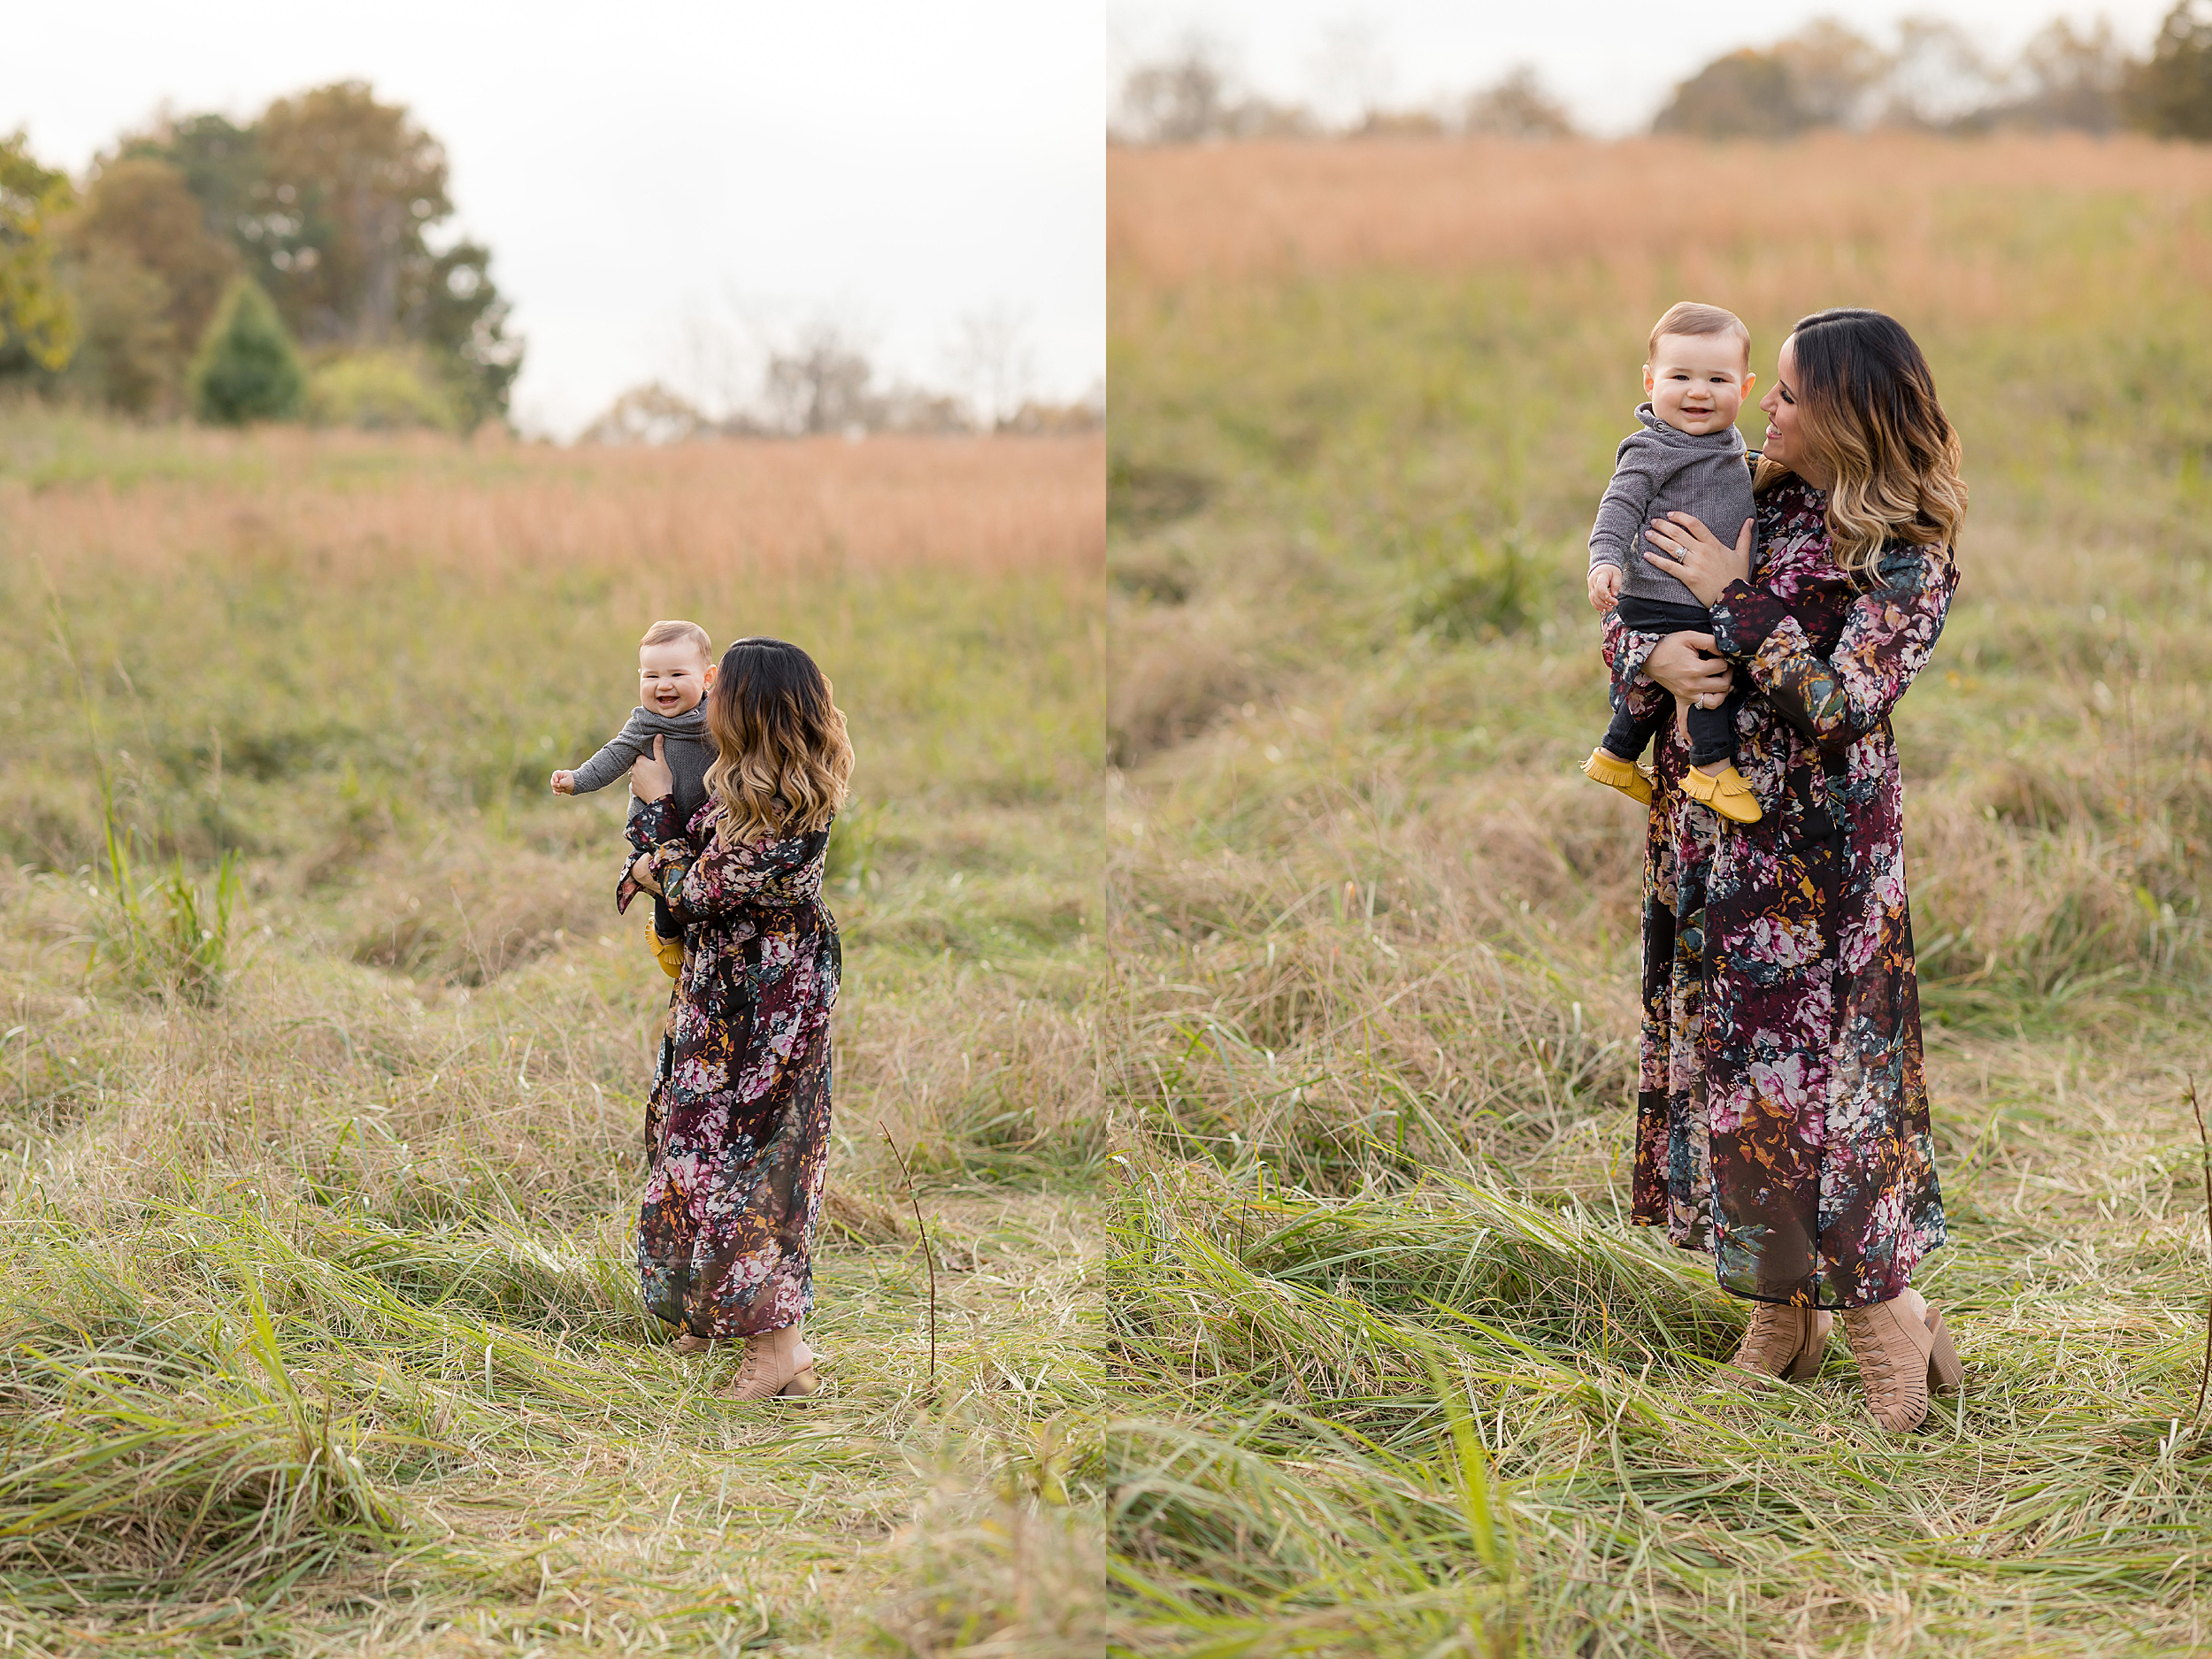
360, 509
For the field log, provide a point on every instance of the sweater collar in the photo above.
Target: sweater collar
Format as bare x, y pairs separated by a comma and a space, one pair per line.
690, 723
1728, 440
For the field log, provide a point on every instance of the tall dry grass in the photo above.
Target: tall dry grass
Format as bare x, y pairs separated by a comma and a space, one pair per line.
345, 508
1933, 220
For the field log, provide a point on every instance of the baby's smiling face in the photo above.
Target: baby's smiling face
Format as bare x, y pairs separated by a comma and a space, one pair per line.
672, 678
1697, 383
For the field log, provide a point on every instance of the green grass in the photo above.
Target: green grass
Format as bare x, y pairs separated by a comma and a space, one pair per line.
321, 1096
1429, 1392
1259, 1013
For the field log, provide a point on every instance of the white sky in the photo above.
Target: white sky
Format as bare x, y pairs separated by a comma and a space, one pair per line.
636, 172
1613, 62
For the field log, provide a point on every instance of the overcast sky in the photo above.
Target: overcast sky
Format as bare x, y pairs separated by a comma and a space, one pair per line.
639, 171
1613, 62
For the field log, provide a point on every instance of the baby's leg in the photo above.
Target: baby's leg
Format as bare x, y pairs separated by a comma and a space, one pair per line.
1712, 735
1629, 735
1713, 778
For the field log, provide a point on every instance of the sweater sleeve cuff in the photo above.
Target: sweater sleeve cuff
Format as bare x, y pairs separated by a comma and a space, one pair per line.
1742, 618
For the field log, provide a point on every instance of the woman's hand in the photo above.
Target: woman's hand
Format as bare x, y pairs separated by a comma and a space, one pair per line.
1686, 665
644, 873
650, 779
1702, 561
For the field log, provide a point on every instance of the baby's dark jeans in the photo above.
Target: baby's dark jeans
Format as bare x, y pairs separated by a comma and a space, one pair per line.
1712, 731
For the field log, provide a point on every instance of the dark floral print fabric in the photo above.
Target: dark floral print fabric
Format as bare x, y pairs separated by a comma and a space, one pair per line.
1782, 1116
737, 1127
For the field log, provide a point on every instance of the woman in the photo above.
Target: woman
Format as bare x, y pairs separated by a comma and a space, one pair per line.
737, 1127
1782, 1116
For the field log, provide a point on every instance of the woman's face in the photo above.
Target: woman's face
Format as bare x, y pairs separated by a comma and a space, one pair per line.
1785, 438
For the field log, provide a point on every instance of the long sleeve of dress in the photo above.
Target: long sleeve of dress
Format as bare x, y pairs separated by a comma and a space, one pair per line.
1887, 638
704, 877
652, 826
1626, 652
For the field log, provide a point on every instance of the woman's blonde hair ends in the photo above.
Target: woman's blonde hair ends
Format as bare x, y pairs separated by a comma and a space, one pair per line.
1868, 407
784, 759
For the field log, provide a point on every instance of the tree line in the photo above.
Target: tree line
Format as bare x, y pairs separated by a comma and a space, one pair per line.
294, 266
818, 378
1932, 77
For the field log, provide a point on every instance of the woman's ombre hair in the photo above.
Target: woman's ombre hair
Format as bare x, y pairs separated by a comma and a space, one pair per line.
784, 758
1867, 406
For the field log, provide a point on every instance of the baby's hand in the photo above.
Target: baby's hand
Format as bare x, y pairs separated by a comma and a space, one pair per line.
1605, 586
563, 783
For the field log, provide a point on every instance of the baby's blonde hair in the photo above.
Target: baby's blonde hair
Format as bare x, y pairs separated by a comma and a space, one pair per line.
1696, 321
670, 633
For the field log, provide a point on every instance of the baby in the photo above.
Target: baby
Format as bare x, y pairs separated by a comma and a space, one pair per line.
675, 671
1689, 457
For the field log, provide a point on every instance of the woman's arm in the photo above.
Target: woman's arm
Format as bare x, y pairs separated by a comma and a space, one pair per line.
1887, 639
1646, 666
652, 824
653, 833
713, 878
700, 877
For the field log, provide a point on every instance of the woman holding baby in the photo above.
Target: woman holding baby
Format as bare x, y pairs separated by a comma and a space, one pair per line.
1782, 1115
737, 1125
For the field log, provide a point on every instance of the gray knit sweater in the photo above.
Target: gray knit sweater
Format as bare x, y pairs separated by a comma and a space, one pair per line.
1658, 471
685, 746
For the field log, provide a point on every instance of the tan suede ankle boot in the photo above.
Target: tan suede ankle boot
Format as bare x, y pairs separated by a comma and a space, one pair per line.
1784, 1342
776, 1362
1903, 1352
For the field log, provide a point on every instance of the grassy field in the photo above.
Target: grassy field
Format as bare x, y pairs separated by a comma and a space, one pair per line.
323, 1100
1376, 941
1229, 938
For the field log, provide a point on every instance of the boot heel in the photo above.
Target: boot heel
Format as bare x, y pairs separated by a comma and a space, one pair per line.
1945, 1372
1805, 1364
803, 1382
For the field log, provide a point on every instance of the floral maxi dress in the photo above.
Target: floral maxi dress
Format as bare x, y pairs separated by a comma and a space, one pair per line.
1782, 1118
737, 1127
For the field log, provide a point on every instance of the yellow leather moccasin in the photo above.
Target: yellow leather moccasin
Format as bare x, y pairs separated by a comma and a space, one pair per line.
1605, 767
1725, 792
670, 954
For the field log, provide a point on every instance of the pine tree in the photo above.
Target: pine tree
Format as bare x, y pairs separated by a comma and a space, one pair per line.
2170, 94
246, 368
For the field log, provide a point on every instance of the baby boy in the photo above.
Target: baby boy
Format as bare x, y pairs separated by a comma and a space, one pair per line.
675, 671
1689, 457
